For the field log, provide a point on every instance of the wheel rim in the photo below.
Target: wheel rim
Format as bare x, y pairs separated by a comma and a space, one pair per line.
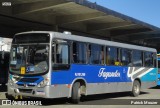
136, 89
79, 92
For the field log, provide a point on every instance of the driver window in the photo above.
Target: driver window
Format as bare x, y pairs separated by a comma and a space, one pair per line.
62, 53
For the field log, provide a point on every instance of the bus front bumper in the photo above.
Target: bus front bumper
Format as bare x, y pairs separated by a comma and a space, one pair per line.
41, 92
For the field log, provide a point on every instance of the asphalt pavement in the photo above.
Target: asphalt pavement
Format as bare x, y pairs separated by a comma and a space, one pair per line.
147, 99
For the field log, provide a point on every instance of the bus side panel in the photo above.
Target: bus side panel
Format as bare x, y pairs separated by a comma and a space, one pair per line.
93, 88
104, 79
149, 79
92, 74
99, 79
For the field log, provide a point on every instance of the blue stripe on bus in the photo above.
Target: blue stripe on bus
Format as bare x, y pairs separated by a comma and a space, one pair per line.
97, 74
36, 82
91, 73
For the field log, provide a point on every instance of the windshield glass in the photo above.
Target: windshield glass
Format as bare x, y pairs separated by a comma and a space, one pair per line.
30, 54
29, 59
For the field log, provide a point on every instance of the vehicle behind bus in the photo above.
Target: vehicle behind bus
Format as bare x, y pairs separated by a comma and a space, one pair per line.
4, 65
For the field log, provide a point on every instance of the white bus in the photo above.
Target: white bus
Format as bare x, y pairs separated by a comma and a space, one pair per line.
53, 65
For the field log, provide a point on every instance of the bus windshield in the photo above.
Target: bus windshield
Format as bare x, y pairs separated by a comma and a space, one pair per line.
29, 58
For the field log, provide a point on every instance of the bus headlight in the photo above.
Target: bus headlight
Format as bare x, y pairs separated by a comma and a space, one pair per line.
43, 83
11, 83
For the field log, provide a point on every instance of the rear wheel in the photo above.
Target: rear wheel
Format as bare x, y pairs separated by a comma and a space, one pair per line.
136, 88
76, 93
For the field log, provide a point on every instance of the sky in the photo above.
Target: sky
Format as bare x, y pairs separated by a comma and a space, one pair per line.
144, 10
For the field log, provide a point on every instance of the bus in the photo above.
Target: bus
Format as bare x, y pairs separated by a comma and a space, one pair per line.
4, 64
49, 64
158, 58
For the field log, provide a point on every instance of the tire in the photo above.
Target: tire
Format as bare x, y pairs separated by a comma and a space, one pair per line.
9, 97
136, 88
76, 95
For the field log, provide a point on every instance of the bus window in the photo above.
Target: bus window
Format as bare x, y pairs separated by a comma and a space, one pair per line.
137, 58
155, 59
126, 56
112, 56
62, 55
148, 59
102, 55
95, 55
53, 53
79, 52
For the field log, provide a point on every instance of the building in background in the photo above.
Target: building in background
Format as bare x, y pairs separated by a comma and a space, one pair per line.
5, 44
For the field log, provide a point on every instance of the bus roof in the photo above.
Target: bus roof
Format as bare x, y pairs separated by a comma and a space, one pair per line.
92, 40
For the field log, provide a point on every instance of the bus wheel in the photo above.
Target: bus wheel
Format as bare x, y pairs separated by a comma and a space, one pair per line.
76, 93
136, 88
9, 97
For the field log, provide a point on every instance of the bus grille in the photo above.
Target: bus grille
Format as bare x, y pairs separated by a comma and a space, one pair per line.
27, 85
25, 90
28, 80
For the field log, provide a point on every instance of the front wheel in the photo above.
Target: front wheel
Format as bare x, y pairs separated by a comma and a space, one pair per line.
76, 93
9, 97
136, 88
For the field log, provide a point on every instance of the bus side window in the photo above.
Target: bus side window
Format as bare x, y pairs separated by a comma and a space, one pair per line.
148, 59
53, 53
137, 58
75, 53
155, 60
102, 55
62, 55
79, 52
112, 56
126, 56
95, 54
